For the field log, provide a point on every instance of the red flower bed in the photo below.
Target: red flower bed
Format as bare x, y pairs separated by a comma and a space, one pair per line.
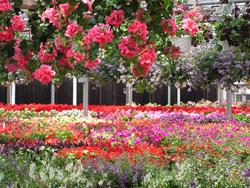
113, 108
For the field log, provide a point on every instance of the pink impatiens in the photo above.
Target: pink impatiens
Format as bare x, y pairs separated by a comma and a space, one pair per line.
45, 74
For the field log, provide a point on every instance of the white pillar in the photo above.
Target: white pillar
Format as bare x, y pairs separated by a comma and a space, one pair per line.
13, 93
85, 103
85, 98
8, 93
229, 104
169, 95
220, 96
74, 91
52, 94
129, 95
178, 96
244, 95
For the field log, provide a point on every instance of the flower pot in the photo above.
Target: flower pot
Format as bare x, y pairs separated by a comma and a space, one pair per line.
226, 47
184, 43
29, 4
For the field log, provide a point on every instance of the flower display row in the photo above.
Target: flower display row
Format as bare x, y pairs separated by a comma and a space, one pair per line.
121, 149
114, 108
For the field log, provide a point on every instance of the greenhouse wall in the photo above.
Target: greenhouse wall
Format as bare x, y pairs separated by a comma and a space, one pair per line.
108, 94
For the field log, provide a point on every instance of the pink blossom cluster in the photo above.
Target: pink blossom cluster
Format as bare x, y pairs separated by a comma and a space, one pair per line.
116, 18
128, 47
91, 64
72, 30
79, 57
64, 62
101, 34
44, 54
188, 24
23, 61
140, 29
45, 74
53, 15
172, 26
65, 9
6, 35
17, 23
147, 58
5, 5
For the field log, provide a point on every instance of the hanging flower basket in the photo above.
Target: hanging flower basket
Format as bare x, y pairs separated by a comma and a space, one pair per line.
184, 43
29, 4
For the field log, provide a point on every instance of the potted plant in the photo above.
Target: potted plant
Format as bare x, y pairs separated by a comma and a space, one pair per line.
233, 28
181, 26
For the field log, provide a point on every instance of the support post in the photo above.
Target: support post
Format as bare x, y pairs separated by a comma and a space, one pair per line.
244, 95
169, 95
220, 96
85, 82
8, 93
178, 96
52, 94
13, 93
229, 104
74, 91
129, 95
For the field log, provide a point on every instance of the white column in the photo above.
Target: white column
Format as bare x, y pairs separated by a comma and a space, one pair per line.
178, 96
74, 91
52, 94
129, 96
85, 97
244, 95
229, 104
169, 95
8, 94
220, 96
13, 93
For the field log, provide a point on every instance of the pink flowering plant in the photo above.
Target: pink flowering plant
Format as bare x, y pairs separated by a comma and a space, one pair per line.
73, 36
182, 22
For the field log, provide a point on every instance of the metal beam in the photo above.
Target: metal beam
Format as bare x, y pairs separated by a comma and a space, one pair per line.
217, 2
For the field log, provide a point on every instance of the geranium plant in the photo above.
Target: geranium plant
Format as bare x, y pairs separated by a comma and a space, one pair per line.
183, 21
